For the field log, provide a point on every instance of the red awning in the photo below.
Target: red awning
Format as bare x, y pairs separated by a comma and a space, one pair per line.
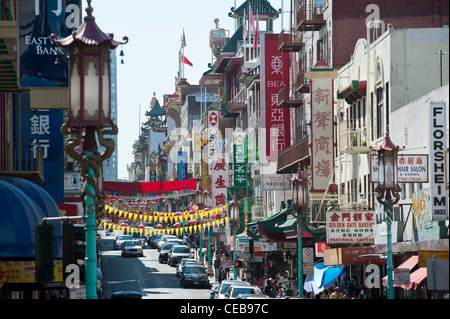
418, 277
410, 264
149, 187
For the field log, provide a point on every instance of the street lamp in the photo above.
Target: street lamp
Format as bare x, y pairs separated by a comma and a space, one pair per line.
388, 182
234, 220
89, 112
300, 204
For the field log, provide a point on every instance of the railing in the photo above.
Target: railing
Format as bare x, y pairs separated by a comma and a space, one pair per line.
309, 15
288, 158
24, 161
8, 10
301, 83
238, 102
350, 136
288, 42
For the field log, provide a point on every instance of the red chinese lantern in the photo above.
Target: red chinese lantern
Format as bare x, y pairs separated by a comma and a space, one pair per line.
193, 222
177, 225
159, 226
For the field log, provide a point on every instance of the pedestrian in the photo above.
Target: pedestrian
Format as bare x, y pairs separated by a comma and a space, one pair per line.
319, 295
221, 275
216, 267
346, 295
268, 289
337, 294
226, 266
281, 294
289, 291
326, 294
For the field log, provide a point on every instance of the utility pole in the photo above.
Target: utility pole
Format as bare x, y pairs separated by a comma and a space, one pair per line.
441, 53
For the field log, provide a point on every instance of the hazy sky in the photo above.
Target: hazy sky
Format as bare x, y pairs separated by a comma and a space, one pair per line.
154, 29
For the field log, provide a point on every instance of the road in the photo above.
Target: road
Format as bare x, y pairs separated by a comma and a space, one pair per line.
143, 274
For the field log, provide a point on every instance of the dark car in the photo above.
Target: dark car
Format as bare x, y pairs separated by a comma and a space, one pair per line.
126, 295
177, 253
164, 252
183, 262
194, 275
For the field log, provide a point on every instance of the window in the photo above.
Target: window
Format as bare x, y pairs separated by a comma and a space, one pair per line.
380, 112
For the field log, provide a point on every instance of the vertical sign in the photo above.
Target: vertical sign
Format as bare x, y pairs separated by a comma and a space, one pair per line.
37, 20
219, 181
43, 128
240, 159
322, 126
275, 119
438, 146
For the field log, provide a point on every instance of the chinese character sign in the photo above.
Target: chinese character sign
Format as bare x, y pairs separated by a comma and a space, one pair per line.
322, 133
219, 181
240, 159
350, 227
276, 120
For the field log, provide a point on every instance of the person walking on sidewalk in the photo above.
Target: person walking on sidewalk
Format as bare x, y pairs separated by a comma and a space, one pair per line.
216, 266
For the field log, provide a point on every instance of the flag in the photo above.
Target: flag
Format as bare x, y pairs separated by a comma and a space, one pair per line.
251, 20
185, 60
183, 40
244, 28
255, 44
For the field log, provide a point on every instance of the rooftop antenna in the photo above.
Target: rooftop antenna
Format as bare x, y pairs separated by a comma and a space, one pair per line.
216, 21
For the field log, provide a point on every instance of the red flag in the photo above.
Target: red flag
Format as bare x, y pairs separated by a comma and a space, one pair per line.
251, 20
185, 60
255, 44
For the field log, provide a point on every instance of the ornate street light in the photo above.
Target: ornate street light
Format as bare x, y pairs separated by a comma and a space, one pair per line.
234, 221
299, 210
89, 112
388, 182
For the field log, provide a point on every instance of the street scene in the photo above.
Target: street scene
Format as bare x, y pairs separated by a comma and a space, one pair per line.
239, 154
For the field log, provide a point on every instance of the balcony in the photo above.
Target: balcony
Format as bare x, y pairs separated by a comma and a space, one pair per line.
285, 101
309, 17
288, 43
238, 103
289, 158
352, 140
301, 83
24, 162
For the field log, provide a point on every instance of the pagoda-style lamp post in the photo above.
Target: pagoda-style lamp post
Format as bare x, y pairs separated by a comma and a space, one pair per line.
388, 182
89, 112
299, 211
233, 208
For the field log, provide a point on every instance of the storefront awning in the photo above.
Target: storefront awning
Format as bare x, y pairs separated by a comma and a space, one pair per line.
149, 187
408, 264
24, 204
280, 227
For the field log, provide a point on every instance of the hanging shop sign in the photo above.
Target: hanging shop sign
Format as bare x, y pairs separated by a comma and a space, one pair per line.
219, 181
42, 64
322, 146
350, 227
242, 245
438, 146
275, 182
411, 168
275, 120
240, 159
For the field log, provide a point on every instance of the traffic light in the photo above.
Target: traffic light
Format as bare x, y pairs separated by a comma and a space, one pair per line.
44, 253
238, 264
74, 237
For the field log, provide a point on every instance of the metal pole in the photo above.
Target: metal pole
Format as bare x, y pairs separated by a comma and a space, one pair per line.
234, 253
299, 259
91, 252
200, 238
390, 286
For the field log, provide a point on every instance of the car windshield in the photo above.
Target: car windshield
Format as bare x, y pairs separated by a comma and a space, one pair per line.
246, 290
225, 287
124, 237
131, 242
195, 270
168, 246
181, 250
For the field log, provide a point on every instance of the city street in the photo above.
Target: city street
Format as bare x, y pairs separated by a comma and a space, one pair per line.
142, 274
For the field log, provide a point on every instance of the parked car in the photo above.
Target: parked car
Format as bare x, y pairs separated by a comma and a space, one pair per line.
163, 240
219, 291
184, 262
120, 239
252, 296
194, 275
164, 252
136, 235
235, 290
132, 248
126, 295
177, 252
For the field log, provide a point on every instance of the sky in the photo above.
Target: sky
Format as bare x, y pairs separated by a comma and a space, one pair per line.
154, 29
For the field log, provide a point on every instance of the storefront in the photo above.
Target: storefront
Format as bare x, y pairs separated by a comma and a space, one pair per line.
24, 204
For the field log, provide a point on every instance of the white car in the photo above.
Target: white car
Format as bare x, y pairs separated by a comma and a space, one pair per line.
118, 242
219, 292
164, 239
132, 248
235, 290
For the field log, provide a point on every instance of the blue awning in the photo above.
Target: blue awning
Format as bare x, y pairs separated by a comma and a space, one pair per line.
24, 204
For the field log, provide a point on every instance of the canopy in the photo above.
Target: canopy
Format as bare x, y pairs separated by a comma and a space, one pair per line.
149, 187
324, 275
410, 263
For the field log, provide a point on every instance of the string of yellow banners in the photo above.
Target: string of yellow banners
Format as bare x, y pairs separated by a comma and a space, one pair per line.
165, 231
173, 217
